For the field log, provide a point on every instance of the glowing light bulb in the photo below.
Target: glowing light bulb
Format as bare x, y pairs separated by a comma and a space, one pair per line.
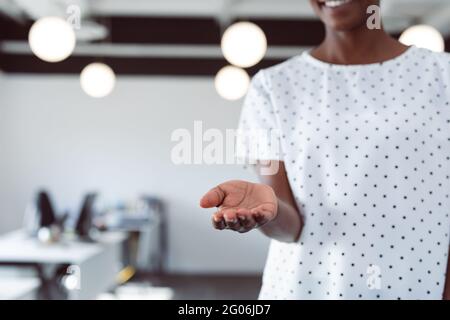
232, 82
423, 36
97, 80
244, 44
52, 39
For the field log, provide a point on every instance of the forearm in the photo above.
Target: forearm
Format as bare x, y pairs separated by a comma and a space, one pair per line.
286, 226
288, 223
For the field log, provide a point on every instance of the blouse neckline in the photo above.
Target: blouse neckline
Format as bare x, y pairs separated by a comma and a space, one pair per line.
322, 64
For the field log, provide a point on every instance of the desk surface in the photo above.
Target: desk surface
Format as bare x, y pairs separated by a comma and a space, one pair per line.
17, 247
13, 289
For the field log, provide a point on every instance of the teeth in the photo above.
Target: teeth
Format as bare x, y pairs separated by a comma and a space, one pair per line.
335, 3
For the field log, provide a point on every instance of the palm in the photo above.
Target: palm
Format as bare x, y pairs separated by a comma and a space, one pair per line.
249, 196
242, 205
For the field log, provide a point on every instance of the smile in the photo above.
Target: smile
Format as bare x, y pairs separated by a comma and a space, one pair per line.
334, 3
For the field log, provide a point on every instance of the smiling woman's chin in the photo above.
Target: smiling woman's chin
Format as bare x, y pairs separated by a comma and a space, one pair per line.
347, 23
341, 15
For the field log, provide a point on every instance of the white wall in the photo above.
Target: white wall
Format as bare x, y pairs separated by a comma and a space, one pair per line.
52, 135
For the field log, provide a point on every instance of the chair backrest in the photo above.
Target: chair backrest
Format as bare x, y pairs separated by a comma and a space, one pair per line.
45, 209
84, 222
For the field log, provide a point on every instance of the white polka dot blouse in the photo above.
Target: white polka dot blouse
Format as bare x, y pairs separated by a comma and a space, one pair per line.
367, 154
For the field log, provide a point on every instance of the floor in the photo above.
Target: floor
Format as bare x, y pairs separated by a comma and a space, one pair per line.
202, 287
184, 287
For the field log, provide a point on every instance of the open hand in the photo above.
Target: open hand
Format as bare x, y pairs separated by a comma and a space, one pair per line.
242, 205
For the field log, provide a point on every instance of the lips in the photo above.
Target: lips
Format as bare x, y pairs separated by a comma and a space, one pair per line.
333, 3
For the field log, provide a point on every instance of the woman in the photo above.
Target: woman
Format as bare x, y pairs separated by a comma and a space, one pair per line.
359, 208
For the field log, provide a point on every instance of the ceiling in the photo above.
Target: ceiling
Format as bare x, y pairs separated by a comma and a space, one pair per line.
182, 36
393, 9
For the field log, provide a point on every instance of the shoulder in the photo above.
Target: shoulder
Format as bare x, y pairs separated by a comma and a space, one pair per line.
440, 59
289, 64
280, 70
268, 81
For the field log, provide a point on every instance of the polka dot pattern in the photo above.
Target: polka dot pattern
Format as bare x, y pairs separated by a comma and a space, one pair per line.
367, 153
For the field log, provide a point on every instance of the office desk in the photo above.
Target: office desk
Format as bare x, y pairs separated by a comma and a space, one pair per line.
18, 289
98, 262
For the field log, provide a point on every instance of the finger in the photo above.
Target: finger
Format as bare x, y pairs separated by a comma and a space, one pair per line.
231, 219
247, 222
218, 221
213, 198
268, 210
234, 225
229, 214
246, 219
260, 219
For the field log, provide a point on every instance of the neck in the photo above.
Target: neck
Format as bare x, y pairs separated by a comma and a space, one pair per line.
357, 46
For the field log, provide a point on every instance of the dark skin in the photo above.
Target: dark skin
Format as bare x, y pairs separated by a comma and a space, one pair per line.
270, 205
347, 38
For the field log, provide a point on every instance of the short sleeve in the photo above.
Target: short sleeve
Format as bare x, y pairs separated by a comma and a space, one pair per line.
259, 133
443, 61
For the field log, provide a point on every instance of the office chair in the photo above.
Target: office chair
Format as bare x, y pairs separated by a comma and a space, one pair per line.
84, 223
161, 257
45, 209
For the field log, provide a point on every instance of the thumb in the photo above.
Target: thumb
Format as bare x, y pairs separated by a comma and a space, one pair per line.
213, 198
